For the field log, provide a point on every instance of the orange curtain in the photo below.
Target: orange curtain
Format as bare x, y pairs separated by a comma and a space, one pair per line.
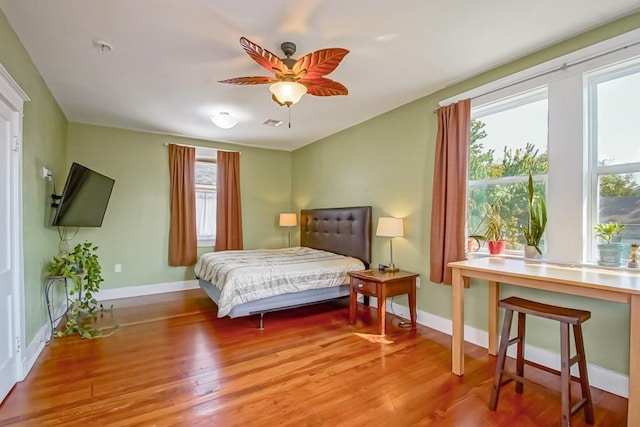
228, 214
449, 205
183, 239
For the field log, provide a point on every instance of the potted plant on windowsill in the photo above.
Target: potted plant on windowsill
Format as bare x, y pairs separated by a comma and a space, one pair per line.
82, 269
536, 223
494, 233
610, 250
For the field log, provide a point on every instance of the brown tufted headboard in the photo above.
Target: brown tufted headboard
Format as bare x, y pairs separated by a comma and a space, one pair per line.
345, 231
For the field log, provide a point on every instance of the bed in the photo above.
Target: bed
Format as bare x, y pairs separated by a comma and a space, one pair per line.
277, 279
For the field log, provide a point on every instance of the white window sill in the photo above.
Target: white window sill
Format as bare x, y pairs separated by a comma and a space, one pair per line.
515, 255
206, 243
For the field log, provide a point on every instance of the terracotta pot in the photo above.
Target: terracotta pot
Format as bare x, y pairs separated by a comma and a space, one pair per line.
496, 247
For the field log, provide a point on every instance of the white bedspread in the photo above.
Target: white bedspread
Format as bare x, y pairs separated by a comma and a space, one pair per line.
249, 275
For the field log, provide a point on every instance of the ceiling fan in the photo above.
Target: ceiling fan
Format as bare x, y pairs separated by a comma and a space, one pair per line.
293, 78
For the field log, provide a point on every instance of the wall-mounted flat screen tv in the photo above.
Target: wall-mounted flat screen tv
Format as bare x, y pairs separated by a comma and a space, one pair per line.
84, 199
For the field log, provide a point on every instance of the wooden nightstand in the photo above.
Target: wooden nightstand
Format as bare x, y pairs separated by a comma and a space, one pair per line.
380, 284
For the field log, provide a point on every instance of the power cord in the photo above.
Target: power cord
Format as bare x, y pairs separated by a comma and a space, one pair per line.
404, 323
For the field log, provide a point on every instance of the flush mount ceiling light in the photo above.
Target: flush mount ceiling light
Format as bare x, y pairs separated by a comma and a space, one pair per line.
224, 120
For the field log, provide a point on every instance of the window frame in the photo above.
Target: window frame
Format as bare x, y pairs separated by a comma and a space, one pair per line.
569, 231
478, 111
206, 155
591, 80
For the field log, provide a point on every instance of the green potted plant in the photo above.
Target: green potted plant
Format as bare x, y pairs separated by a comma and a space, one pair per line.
610, 248
494, 233
82, 269
536, 223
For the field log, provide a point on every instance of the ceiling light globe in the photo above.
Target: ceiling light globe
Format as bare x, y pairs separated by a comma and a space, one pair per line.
224, 120
288, 93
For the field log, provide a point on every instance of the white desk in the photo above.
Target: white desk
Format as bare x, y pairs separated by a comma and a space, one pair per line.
610, 285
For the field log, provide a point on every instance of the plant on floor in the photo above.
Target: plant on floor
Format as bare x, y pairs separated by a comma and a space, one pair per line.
82, 268
536, 218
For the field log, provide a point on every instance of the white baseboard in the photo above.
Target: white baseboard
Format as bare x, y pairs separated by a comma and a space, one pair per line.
139, 291
37, 344
604, 379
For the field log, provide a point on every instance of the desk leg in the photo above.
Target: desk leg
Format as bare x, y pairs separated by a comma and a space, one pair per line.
633, 414
494, 296
457, 344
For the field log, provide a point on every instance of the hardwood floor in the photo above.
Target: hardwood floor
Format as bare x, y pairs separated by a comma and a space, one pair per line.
173, 362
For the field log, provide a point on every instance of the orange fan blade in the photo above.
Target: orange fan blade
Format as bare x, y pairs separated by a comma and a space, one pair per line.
319, 63
268, 60
250, 80
324, 87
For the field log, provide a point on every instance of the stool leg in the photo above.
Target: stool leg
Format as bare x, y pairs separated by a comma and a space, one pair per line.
520, 352
565, 374
584, 378
502, 355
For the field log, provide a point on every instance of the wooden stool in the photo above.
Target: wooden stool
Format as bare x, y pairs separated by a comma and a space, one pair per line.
563, 315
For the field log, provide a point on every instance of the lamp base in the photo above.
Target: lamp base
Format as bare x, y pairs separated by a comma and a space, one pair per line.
391, 269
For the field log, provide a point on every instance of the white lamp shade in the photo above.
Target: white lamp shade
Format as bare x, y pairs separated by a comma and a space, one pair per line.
224, 120
390, 227
288, 220
288, 92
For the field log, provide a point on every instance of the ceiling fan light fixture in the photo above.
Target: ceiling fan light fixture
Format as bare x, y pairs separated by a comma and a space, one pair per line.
224, 120
288, 93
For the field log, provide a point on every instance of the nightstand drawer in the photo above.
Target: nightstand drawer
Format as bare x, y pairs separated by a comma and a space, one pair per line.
364, 287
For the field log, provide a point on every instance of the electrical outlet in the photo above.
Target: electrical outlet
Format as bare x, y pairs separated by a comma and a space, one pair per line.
417, 282
118, 268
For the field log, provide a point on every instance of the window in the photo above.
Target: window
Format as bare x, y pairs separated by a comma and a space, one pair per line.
614, 128
508, 140
205, 197
573, 122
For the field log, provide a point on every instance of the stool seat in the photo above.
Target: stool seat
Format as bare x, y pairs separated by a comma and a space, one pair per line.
547, 311
565, 317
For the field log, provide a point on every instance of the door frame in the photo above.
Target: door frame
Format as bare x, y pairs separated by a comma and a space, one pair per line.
14, 97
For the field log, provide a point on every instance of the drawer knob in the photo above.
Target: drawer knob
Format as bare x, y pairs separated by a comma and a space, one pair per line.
360, 285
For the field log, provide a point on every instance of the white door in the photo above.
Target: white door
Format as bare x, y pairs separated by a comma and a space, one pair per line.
8, 345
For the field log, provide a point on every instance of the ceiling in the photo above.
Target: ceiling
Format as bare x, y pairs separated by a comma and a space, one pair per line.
168, 56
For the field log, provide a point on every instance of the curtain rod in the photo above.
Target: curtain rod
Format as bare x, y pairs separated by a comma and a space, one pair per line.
562, 67
166, 144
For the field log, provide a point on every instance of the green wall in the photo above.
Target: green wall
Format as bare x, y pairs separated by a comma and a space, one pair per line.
387, 162
135, 231
44, 136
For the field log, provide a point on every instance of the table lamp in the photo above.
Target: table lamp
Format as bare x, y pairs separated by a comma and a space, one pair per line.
390, 227
288, 220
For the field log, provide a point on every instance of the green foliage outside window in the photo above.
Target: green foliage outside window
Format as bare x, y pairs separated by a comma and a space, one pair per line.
511, 199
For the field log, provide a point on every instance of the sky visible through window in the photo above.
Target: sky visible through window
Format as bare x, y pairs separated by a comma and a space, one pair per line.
619, 120
618, 123
516, 127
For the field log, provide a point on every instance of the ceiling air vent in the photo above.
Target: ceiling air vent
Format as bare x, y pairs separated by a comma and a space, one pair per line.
272, 122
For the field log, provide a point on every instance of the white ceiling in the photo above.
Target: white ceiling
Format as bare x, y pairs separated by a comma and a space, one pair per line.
168, 56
